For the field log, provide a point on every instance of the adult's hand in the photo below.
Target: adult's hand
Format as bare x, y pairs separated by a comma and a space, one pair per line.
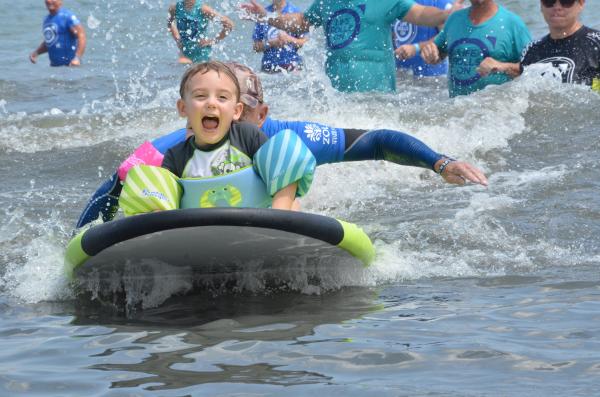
487, 66
75, 62
405, 51
460, 172
253, 10
430, 52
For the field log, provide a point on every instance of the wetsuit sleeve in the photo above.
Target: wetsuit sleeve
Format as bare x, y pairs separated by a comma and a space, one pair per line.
164, 143
104, 202
394, 146
314, 14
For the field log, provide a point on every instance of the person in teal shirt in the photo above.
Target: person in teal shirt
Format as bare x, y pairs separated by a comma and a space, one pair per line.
187, 22
360, 54
483, 43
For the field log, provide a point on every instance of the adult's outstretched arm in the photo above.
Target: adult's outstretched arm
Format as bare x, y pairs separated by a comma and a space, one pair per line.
404, 149
292, 22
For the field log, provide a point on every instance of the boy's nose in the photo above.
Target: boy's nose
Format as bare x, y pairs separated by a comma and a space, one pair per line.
212, 101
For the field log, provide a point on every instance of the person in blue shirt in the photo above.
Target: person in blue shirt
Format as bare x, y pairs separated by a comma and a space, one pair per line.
407, 39
279, 48
188, 22
360, 55
483, 43
328, 145
64, 37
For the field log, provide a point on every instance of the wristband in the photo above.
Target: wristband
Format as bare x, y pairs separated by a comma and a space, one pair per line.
417, 48
445, 164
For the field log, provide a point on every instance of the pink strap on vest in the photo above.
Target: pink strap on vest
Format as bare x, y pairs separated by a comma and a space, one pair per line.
144, 154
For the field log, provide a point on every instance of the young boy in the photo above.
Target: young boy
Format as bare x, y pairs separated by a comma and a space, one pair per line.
328, 145
210, 100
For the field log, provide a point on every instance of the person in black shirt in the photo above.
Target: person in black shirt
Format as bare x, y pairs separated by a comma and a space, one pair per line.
572, 48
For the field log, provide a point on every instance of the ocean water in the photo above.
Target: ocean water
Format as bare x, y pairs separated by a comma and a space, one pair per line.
475, 291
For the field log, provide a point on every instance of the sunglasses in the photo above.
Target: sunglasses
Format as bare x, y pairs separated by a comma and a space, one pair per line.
564, 3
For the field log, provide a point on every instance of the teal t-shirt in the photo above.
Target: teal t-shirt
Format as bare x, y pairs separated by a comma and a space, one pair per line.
502, 37
192, 26
361, 54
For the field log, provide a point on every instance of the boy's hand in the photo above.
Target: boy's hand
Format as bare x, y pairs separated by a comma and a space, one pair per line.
33, 57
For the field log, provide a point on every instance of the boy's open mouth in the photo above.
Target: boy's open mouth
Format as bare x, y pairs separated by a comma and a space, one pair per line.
210, 122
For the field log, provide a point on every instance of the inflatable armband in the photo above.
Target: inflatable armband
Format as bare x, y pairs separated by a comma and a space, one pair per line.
148, 189
145, 154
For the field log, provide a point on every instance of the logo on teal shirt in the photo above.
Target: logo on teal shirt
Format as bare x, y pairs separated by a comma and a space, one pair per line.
342, 27
465, 56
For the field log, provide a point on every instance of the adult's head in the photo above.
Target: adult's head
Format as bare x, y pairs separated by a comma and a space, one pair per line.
53, 5
251, 94
562, 16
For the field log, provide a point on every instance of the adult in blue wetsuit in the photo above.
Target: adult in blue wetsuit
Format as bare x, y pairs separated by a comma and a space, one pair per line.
64, 37
360, 55
407, 38
328, 145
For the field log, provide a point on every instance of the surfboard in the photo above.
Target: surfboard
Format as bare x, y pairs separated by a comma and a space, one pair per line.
203, 242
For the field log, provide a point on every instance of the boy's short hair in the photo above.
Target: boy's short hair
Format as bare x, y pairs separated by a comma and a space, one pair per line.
205, 67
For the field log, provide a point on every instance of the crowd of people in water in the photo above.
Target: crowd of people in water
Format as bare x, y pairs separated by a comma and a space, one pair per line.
477, 45
227, 118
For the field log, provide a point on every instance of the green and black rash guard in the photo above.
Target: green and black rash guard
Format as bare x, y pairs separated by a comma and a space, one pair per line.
233, 152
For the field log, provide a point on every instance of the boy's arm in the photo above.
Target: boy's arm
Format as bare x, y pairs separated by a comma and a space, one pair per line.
40, 50
284, 198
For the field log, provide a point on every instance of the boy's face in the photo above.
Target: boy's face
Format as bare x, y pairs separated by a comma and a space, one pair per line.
210, 106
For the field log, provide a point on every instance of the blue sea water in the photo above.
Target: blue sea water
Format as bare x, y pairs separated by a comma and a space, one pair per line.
475, 291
